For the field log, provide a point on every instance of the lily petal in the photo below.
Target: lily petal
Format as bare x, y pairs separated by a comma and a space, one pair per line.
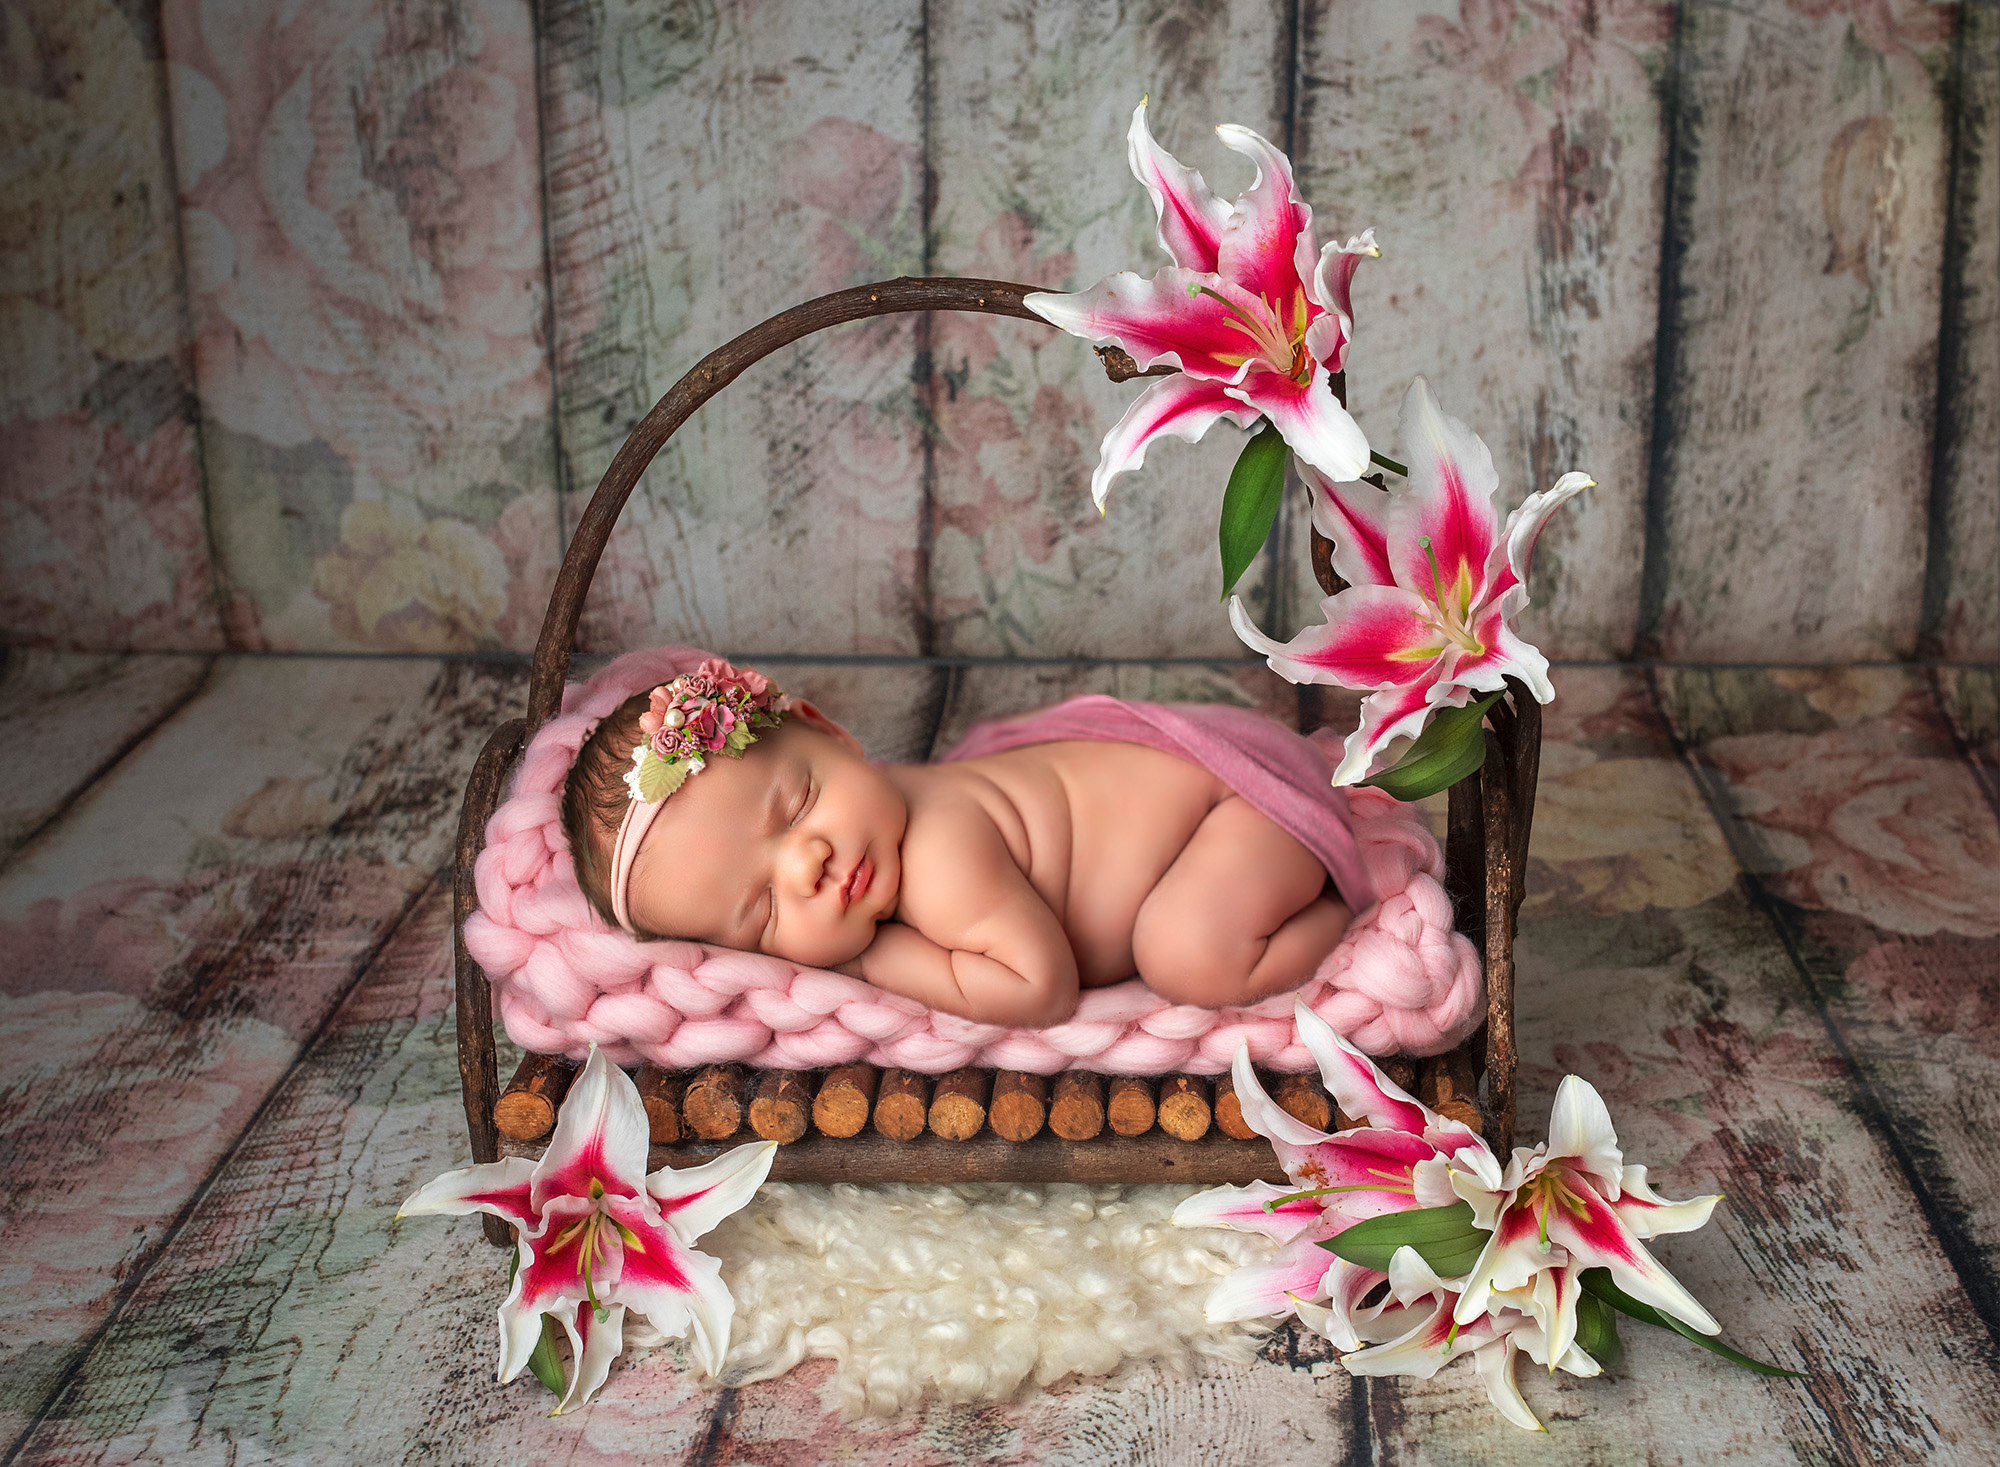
1330, 334
1390, 714
1355, 517
1179, 406
1299, 1269
1263, 1114
1267, 242
1182, 318
1344, 1314
1495, 1364
1648, 1214
1448, 501
1361, 1089
1506, 655
1373, 636
1425, 1349
1510, 1260
1411, 1280
592, 1348
1328, 337
695, 1199
546, 1281
1595, 1236
676, 1287
499, 1187
1580, 1131
601, 1136
1508, 578
1242, 1210
1191, 216
1317, 428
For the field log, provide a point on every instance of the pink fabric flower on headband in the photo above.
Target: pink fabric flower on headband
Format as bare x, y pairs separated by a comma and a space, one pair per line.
715, 709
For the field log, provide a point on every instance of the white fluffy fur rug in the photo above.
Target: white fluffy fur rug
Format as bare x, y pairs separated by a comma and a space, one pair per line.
971, 1292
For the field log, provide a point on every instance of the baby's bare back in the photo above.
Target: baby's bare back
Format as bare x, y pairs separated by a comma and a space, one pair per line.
1150, 864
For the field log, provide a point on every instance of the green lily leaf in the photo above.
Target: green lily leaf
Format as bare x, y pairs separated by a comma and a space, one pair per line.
1597, 1281
1453, 746
1250, 503
546, 1362
1597, 1330
1444, 1238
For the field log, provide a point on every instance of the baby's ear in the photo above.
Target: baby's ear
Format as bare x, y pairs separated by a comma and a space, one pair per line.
811, 714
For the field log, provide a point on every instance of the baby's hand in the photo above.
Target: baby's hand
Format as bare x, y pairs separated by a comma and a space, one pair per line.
974, 938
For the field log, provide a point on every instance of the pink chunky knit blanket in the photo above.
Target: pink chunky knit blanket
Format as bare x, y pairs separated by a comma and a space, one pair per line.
1401, 979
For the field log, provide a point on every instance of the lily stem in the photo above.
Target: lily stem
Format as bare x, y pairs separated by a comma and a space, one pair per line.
1388, 463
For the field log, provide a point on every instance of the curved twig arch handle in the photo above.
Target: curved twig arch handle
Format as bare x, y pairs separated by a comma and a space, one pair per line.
708, 377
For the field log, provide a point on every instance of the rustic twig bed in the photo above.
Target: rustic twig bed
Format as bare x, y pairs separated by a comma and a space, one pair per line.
857, 1123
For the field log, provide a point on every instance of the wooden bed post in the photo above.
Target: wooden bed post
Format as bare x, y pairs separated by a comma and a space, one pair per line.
478, 1065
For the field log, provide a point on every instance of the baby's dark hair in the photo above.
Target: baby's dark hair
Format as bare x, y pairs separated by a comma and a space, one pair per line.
595, 797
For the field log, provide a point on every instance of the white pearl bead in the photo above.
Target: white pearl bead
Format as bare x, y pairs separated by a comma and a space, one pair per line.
673, 718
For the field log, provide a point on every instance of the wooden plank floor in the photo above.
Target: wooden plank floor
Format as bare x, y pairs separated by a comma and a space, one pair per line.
1764, 919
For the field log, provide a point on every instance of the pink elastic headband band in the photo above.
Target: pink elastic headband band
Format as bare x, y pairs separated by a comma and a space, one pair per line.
639, 817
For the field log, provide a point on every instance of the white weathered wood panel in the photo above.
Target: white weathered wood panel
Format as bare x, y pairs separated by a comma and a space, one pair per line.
103, 525
1510, 159
1809, 237
1031, 103
66, 717
173, 942
708, 167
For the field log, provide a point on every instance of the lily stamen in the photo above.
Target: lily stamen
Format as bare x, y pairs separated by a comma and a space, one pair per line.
1277, 1202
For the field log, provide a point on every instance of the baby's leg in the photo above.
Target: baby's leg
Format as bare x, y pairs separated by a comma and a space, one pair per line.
1242, 913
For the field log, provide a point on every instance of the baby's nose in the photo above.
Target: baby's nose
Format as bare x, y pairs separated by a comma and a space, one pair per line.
806, 860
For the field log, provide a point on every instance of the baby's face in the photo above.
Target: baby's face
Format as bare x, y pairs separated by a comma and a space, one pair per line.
794, 850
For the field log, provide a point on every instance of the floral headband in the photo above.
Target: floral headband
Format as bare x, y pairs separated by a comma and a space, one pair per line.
716, 709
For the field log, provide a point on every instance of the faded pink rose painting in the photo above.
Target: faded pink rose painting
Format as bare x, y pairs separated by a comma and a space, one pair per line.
101, 542
1854, 821
361, 218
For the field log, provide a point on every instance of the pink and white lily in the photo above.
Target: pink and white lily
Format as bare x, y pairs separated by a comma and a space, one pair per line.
597, 1236
1435, 581
1394, 1162
1253, 312
1568, 1205
1411, 1330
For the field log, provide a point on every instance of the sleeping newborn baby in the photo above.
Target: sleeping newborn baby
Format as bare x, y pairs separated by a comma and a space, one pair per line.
717, 810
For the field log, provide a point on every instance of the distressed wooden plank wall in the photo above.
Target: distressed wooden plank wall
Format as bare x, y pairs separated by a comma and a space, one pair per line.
103, 539
1512, 162
1962, 565
1804, 263
358, 300
1021, 561
360, 212
709, 167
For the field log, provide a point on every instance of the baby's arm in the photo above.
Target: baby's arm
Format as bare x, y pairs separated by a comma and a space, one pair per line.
976, 939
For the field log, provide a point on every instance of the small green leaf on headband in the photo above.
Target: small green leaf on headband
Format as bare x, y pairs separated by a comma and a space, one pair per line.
659, 778
739, 738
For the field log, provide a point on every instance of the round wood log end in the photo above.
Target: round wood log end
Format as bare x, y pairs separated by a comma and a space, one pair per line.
1184, 1111
1130, 1108
523, 1115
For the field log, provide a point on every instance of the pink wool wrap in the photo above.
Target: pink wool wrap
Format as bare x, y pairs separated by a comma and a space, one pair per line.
1400, 981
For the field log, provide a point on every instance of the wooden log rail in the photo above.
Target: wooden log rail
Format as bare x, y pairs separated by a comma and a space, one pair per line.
833, 1124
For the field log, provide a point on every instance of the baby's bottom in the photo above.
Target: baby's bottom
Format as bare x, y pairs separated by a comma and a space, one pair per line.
1243, 913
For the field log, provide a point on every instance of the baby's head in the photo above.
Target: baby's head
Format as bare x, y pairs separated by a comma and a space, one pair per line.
785, 840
